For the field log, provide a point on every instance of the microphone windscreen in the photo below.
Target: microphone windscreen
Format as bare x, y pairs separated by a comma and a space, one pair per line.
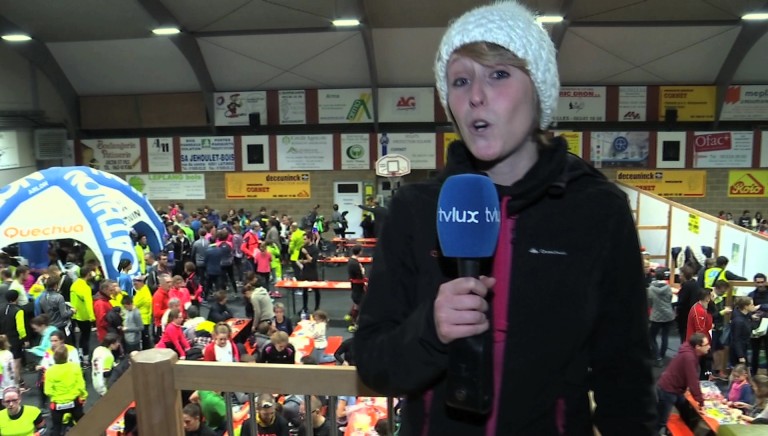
468, 216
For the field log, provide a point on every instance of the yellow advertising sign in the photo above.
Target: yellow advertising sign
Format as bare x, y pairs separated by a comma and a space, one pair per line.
286, 185
693, 223
747, 183
448, 137
574, 140
693, 103
667, 183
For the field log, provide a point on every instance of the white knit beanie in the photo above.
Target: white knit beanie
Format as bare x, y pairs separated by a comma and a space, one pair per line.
514, 27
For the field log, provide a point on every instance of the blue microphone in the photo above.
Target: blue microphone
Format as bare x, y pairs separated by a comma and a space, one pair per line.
468, 221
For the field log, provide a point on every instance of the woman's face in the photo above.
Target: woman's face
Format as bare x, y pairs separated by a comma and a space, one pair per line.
12, 401
279, 314
55, 342
222, 339
494, 108
191, 423
179, 319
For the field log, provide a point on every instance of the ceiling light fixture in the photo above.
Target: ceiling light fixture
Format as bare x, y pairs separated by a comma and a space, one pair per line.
549, 19
16, 37
166, 31
755, 16
346, 22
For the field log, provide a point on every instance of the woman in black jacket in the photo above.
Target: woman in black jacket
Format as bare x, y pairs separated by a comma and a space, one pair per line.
219, 311
741, 329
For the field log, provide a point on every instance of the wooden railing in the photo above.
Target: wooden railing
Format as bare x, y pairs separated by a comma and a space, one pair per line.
156, 379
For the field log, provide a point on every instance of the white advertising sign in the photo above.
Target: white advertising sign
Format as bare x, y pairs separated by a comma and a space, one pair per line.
722, 149
9, 149
169, 186
342, 106
581, 103
419, 148
355, 151
122, 155
232, 108
211, 153
293, 107
405, 105
160, 155
255, 152
304, 152
632, 103
745, 103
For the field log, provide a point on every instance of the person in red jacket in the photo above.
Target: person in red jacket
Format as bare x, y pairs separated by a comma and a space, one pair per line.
160, 303
681, 374
102, 306
700, 321
222, 349
173, 337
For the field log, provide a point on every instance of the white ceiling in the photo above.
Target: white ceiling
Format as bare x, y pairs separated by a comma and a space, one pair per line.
106, 47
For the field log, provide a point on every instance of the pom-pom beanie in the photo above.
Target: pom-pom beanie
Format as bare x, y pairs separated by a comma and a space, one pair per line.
514, 27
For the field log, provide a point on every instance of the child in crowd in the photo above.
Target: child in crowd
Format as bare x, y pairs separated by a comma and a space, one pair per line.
278, 350
133, 326
276, 268
7, 374
193, 284
318, 327
102, 362
282, 322
219, 311
740, 390
263, 261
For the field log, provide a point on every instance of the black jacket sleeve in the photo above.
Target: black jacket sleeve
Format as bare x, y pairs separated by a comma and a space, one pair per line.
731, 276
620, 353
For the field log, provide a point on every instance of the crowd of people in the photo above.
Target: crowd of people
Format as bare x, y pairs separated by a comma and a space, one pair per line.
47, 316
755, 223
710, 319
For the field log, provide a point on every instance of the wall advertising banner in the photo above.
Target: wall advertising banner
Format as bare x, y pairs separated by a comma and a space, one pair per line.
255, 152
745, 103
406, 105
169, 186
748, 184
355, 151
9, 149
342, 106
211, 153
632, 103
619, 149
574, 139
419, 148
232, 108
304, 152
764, 148
160, 155
273, 186
293, 106
581, 103
693, 103
121, 155
722, 149
667, 183
448, 137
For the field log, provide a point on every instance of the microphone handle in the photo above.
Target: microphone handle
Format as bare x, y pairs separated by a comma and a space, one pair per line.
470, 362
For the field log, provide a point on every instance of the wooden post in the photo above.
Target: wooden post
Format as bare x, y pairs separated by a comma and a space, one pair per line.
158, 402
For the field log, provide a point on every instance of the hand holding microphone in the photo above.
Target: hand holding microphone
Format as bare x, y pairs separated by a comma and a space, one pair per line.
461, 307
468, 221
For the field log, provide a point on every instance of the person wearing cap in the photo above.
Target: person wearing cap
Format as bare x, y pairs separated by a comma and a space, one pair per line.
496, 76
268, 421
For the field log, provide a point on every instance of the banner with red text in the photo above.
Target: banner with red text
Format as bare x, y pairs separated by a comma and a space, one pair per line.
722, 149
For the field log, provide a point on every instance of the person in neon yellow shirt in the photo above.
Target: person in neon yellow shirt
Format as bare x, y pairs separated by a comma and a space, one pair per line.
103, 361
65, 386
81, 298
142, 299
295, 244
18, 419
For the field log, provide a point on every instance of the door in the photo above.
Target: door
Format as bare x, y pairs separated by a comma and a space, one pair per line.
348, 195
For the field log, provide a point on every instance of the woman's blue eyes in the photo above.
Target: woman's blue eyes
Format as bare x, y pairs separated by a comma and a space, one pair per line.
499, 74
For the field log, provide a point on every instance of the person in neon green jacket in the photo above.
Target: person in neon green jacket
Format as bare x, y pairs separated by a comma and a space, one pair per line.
65, 386
81, 298
294, 248
275, 264
142, 299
